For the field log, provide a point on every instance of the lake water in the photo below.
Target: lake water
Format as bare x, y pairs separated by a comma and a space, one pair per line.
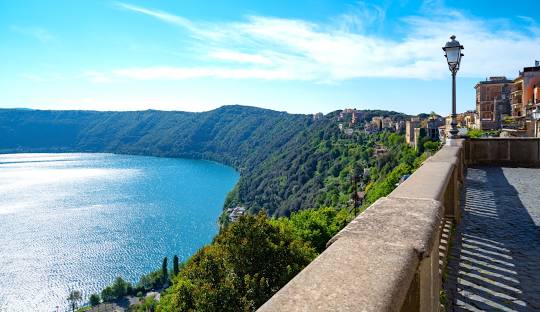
76, 221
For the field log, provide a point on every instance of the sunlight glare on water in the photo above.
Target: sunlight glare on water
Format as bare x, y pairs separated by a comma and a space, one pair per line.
76, 221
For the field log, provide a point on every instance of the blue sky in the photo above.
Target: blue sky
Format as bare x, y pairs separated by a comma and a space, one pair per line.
300, 56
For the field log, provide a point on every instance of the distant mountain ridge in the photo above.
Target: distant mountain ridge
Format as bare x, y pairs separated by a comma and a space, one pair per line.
224, 134
279, 155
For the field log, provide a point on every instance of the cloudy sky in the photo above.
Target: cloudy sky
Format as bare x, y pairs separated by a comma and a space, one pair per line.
300, 56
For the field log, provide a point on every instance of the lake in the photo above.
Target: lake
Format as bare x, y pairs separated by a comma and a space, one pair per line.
76, 221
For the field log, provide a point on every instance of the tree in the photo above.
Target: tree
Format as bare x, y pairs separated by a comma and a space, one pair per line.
120, 287
147, 304
74, 297
175, 265
152, 280
165, 271
247, 263
95, 299
107, 294
316, 226
386, 186
431, 146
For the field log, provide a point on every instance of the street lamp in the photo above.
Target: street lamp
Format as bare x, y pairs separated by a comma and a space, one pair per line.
452, 52
536, 117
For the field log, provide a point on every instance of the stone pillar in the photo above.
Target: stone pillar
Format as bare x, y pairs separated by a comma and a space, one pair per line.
423, 294
451, 198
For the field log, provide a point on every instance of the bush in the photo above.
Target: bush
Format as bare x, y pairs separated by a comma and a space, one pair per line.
95, 299
107, 294
475, 133
316, 226
246, 264
120, 287
387, 185
431, 146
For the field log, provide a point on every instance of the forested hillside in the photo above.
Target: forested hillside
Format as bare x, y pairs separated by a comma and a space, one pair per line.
236, 135
287, 162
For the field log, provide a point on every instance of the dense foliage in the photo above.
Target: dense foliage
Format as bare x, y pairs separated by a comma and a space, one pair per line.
287, 162
249, 261
305, 173
477, 133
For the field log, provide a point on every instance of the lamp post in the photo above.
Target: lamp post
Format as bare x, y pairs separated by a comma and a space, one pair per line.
452, 52
536, 117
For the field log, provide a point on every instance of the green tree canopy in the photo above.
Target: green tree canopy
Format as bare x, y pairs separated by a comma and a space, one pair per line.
246, 264
94, 299
74, 298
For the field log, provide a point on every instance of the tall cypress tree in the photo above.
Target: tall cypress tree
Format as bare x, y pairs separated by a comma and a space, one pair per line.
176, 269
164, 271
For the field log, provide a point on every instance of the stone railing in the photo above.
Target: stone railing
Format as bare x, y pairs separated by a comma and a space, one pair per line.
519, 152
387, 258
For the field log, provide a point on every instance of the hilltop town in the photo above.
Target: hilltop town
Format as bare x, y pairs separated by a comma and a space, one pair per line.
504, 107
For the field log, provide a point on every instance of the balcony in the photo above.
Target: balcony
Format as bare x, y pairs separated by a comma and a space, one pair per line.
394, 255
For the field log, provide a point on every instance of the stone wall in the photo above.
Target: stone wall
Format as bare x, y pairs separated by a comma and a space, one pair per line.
516, 152
387, 258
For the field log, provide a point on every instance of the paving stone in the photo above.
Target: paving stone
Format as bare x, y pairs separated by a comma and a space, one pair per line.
494, 262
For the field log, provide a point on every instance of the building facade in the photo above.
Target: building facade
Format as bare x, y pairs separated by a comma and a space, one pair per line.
526, 91
410, 125
493, 102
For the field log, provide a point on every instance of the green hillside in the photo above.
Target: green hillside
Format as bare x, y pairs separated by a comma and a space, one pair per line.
287, 162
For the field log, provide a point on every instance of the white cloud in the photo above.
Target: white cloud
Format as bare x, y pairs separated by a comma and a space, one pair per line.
173, 73
234, 56
292, 49
163, 16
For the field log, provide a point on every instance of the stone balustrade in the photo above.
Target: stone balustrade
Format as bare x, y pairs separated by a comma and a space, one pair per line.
387, 258
516, 152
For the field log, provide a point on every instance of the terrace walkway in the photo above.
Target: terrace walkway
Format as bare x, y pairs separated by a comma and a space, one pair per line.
494, 262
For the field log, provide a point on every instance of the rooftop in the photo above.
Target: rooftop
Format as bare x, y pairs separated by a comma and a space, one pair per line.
531, 69
495, 80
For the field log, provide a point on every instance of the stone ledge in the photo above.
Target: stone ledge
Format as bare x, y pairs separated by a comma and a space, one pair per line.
427, 182
504, 139
370, 264
351, 275
385, 222
521, 152
449, 154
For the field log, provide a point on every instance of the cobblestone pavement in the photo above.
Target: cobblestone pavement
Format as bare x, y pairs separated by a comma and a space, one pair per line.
494, 262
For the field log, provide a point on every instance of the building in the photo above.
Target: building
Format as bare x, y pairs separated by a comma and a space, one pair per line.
526, 91
236, 212
399, 126
356, 116
410, 125
318, 116
419, 133
377, 122
433, 124
387, 123
350, 115
370, 128
466, 120
493, 102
